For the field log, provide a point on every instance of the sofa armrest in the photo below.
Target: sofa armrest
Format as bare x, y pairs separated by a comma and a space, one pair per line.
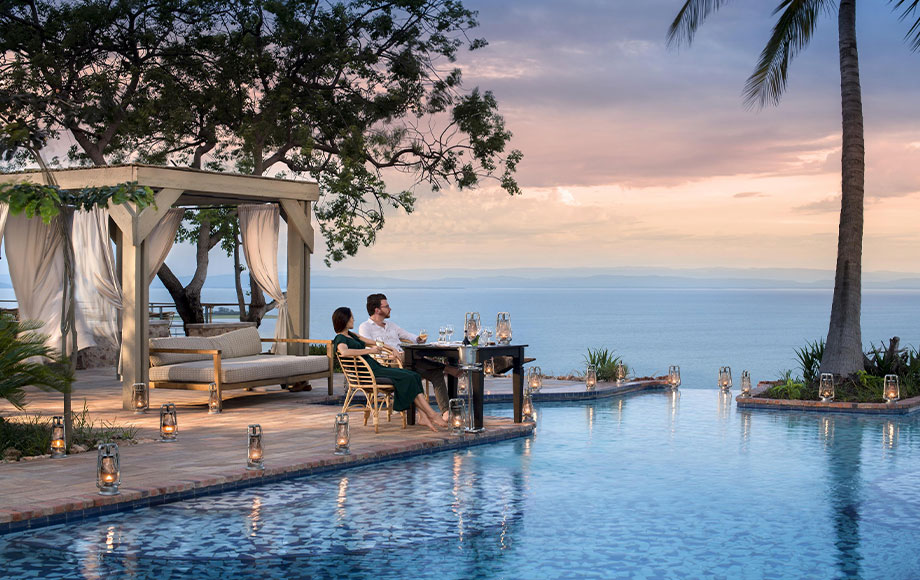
328, 344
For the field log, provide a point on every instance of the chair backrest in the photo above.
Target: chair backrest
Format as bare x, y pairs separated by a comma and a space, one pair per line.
357, 372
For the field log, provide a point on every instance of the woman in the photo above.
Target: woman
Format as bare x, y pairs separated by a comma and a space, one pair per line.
408, 384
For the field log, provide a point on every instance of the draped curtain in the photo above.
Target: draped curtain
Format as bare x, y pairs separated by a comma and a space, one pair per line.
161, 239
259, 225
4, 213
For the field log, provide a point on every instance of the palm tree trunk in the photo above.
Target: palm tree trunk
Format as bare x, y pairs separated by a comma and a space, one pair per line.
843, 353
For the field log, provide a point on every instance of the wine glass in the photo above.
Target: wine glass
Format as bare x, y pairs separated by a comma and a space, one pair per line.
423, 335
442, 332
486, 334
450, 332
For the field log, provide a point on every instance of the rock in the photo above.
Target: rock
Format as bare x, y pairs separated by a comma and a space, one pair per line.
77, 448
11, 454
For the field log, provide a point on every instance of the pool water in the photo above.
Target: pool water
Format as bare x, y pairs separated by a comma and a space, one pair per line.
652, 485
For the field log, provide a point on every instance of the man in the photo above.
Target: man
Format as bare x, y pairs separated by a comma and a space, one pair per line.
377, 327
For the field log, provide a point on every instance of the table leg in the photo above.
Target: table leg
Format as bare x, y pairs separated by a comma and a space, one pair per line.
409, 363
517, 386
477, 386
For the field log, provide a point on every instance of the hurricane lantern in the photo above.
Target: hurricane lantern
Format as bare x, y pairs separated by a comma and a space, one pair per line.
488, 367
725, 378
621, 372
255, 449
457, 416
535, 379
590, 377
745, 384
826, 387
58, 445
892, 388
473, 325
140, 398
215, 403
674, 376
342, 436
169, 426
108, 472
527, 412
463, 383
503, 328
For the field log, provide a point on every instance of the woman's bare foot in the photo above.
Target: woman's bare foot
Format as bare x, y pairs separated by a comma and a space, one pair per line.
423, 419
439, 420
445, 415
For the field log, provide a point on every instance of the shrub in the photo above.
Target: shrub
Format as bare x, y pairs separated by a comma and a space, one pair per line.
606, 363
18, 344
810, 360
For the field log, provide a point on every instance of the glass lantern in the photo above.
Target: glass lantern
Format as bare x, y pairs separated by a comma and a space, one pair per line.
169, 426
892, 388
503, 328
58, 443
342, 436
527, 411
488, 367
674, 376
590, 378
456, 416
535, 379
826, 387
140, 398
621, 372
255, 449
108, 472
725, 378
473, 324
463, 384
215, 403
745, 384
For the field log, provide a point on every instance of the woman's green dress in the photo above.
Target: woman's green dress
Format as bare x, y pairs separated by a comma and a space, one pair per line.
408, 384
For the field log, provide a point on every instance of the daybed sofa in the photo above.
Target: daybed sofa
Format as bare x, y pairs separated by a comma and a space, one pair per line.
233, 361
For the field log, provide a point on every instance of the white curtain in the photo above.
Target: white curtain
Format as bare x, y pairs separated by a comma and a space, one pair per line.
259, 231
161, 239
98, 291
4, 212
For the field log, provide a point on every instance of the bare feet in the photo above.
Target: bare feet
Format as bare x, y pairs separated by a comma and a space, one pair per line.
423, 419
439, 420
445, 415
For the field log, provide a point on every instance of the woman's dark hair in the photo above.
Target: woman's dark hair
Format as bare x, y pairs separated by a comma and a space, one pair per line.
340, 318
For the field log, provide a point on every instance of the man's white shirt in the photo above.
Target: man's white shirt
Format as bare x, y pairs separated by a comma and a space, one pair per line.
390, 333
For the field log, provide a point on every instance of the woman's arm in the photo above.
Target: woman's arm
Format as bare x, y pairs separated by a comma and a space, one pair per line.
367, 341
343, 350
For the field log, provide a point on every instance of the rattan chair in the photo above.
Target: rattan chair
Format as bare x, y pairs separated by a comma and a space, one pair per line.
391, 359
378, 393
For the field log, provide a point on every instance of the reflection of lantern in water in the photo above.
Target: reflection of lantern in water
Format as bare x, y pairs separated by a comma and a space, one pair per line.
827, 430
674, 376
890, 432
725, 378
140, 398
255, 450
745, 384
826, 387
215, 404
342, 435
108, 473
590, 378
57, 438
456, 416
892, 388
169, 425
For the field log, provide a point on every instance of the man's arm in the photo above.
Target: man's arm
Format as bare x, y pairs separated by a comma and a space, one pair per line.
404, 335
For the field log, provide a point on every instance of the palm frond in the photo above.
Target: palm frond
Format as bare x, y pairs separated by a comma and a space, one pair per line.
791, 35
20, 349
908, 11
688, 20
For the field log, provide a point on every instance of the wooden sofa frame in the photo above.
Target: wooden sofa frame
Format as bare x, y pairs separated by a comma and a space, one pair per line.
221, 386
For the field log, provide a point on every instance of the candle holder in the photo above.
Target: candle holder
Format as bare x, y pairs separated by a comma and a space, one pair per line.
503, 328
58, 438
488, 367
725, 378
463, 384
215, 402
140, 398
108, 471
254, 455
535, 379
457, 416
527, 410
745, 384
826, 387
892, 388
342, 435
590, 378
621, 373
169, 425
473, 324
674, 376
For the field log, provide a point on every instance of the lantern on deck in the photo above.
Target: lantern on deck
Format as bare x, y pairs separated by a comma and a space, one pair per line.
463, 384
527, 411
535, 379
503, 328
725, 378
621, 372
488, 367
58, 443
342, 436
457, 416
473, 324
215, 403
892, 388
674, 376
169, 426
590, 378
254, 455
826, 387
108, 472
140, 398
745, 384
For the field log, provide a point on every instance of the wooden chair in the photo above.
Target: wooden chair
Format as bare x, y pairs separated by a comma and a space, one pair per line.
389, 358
378, 393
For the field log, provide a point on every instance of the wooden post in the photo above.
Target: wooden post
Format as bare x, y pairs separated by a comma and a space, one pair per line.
300, 246
136, 296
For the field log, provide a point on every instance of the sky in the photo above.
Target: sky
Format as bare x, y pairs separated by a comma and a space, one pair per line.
637, 155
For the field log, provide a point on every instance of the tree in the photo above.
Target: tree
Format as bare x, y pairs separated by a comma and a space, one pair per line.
794, 28
348, 93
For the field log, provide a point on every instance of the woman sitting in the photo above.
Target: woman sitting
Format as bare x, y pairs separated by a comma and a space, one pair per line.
407, 384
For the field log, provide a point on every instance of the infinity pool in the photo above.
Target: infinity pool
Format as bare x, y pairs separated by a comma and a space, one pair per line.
654, 485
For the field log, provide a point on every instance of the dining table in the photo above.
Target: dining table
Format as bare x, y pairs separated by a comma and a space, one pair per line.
450, 353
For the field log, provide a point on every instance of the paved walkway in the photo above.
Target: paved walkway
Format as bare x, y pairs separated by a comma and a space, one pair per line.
210, 454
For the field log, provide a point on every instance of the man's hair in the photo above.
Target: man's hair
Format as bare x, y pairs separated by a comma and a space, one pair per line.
373, 302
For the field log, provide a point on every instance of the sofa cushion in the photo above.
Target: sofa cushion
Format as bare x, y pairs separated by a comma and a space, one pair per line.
237, 343
241, 369
191, 342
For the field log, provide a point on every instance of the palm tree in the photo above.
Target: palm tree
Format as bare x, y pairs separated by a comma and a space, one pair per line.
797, 19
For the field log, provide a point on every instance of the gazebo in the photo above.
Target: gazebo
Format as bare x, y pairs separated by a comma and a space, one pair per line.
185, 187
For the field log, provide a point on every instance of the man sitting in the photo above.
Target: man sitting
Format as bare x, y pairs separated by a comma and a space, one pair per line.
377, 327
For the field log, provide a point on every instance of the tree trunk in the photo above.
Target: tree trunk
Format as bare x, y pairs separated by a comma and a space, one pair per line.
237, 273
843, 353
188, 304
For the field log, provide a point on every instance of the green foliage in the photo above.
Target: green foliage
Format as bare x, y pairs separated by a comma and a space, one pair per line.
18, 343
48, 200
789, 388
606, 363
810, 360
